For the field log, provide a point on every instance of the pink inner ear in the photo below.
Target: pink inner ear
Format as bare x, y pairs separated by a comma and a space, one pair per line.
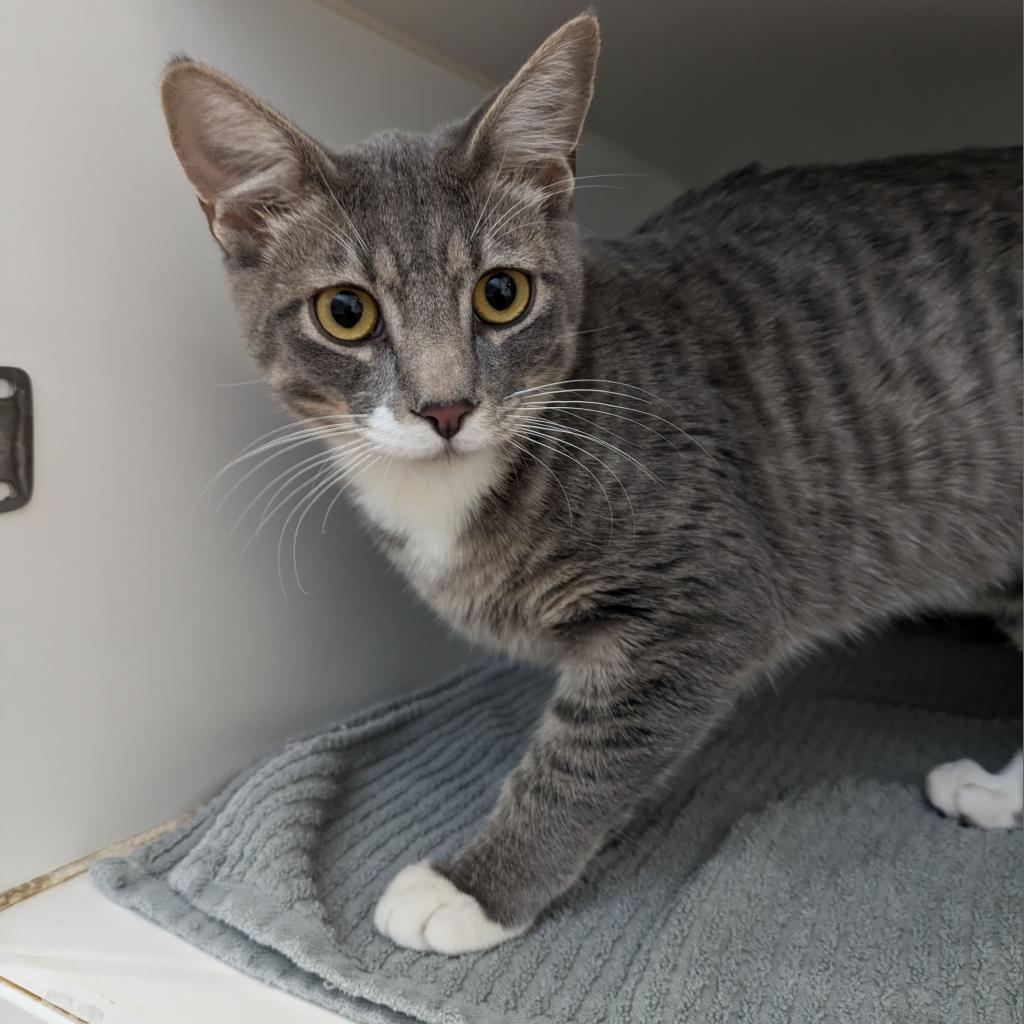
211, 180
240, 157
221, 134
208, 179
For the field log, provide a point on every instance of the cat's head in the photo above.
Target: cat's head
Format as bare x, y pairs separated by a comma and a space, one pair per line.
411, 283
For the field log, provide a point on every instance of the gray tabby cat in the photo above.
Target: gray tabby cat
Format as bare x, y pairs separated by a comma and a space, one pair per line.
786, 408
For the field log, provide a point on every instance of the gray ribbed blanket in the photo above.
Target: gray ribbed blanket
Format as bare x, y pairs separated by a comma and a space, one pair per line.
792, 873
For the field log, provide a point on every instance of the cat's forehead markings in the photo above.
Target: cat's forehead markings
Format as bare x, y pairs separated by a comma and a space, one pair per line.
457, 254
505, 253
385, 266
435, 232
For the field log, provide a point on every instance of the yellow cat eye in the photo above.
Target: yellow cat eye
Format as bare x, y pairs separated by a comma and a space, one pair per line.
501, 296
346, 313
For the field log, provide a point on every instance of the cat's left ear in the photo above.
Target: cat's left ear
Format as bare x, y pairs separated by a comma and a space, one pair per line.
246, 162
532, 127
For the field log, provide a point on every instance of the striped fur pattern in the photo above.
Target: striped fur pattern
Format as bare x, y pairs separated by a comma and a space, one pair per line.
786, 408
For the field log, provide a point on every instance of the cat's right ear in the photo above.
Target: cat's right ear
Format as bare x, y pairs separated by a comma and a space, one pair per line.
532, 127
247, 163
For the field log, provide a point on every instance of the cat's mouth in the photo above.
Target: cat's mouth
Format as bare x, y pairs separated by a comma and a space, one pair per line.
416, 449
446, 451
418, 438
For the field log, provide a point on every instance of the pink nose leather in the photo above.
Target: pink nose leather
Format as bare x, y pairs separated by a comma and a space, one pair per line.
446, 419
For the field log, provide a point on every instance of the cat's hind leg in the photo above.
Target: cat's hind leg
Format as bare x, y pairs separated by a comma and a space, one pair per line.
964, 790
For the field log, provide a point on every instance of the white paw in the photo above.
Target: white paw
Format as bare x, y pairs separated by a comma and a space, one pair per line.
421, 909
963, 789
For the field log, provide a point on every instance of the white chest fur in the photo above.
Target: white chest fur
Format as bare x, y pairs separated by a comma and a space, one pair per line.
426, 502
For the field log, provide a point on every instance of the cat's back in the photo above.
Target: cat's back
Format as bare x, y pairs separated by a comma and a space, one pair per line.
851, 336
847, 339
910, 253
964, 192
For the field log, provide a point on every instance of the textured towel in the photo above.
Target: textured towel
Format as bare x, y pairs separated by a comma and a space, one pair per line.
791, 873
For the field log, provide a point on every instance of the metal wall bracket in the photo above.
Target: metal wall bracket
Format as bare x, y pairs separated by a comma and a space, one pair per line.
15, 438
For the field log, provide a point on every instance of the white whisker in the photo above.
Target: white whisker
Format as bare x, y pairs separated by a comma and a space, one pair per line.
254, 448
285, 444
344, 214
598, 406
334, 477
533, 195
536, 195
291, 474
336, 233
535, 439
547, 388
347, 472
490, 193
628, 419
539, 195
551, 436
322, 420
317, 486
604, 327
548, 425
588, 391
554, 475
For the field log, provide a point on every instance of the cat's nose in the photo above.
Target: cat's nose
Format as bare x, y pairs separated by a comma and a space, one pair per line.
446, 419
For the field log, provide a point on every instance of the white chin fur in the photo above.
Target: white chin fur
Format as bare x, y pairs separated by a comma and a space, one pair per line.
422, 910
417, 495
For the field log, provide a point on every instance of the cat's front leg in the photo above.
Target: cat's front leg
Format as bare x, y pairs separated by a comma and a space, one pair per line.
605, 742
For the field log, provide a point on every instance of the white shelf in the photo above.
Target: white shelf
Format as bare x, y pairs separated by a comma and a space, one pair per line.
95, 961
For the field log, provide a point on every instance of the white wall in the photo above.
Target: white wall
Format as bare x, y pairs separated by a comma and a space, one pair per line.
142, 657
